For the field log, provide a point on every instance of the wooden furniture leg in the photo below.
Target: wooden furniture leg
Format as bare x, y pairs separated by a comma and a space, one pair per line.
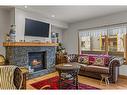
105, 77
76, 81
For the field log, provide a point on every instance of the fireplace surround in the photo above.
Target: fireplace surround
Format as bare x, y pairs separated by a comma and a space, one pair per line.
20, 56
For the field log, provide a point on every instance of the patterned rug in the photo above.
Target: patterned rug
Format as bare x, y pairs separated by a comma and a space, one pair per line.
53, 83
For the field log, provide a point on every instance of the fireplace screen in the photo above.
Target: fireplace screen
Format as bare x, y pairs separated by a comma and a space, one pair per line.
37, 61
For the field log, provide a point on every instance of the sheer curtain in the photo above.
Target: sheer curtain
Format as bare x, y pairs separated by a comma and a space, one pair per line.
91, 33
118, 31
95, 34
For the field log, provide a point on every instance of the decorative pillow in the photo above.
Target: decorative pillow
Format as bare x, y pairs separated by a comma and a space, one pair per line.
91, 59
99, 61
83, 59
72, 57
106, 61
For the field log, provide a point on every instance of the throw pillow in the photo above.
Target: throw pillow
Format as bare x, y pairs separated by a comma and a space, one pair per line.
83, 59
99, 61
91, 59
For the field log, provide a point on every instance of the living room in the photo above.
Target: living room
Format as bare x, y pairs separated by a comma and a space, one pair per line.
63, 48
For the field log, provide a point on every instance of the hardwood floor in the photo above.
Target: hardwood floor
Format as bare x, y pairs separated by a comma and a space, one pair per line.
121, 84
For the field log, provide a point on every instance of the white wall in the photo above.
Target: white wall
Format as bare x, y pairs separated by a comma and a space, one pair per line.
12, 16
70, 36
4, 27
20, 16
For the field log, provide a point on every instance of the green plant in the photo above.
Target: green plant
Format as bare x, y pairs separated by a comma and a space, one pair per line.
60, 47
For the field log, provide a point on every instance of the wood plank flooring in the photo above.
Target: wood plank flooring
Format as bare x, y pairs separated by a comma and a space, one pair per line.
121, 84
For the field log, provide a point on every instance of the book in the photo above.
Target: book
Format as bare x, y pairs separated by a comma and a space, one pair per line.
67, 65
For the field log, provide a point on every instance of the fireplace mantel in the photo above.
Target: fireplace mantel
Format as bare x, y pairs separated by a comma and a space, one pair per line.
18, 44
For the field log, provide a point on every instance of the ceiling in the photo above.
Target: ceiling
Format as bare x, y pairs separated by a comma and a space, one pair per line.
73, 14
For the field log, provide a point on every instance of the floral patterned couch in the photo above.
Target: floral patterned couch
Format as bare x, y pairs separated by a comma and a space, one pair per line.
94, 65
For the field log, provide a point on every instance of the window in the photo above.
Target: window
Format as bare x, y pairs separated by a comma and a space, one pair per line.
91, 40
108, 39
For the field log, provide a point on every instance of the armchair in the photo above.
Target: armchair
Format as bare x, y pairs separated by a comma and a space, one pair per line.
17, 74
10, 77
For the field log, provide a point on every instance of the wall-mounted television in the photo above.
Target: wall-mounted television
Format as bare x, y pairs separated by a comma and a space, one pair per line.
36, 28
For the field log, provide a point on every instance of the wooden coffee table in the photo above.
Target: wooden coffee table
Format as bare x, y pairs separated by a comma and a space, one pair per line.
68, 71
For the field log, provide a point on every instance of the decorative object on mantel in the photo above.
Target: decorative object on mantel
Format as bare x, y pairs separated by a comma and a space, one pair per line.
7, 38
10, 37
21, 40
53, 37
36, 41
12, 33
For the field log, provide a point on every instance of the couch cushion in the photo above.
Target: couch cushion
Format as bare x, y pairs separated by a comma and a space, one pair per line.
99, 61
83, 59
97, 69
72, 57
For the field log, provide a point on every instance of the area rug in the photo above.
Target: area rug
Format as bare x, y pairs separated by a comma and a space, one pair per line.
53, 82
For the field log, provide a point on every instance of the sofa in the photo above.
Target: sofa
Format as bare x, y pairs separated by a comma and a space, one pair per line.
92, 65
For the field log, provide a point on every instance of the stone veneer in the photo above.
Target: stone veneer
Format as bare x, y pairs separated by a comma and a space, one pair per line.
19, 56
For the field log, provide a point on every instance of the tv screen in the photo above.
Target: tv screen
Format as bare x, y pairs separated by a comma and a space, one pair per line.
36, 28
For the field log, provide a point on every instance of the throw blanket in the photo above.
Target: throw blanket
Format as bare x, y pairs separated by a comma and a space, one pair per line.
6, 77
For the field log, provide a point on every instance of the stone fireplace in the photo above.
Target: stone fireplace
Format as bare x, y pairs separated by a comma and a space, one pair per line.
38, 58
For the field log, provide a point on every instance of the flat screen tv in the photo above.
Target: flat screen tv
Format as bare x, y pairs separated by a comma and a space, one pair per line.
36, 28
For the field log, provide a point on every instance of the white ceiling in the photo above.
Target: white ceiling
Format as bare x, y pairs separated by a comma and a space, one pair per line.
72, 14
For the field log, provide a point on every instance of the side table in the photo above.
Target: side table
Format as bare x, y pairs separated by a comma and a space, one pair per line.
68, 71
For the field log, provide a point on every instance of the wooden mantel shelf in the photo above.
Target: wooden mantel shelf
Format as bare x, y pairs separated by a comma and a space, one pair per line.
11, 44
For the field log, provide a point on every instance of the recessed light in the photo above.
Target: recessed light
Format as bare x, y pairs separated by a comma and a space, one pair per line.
25, 6
52, 15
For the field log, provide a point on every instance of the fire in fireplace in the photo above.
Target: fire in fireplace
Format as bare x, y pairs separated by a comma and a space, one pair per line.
37, 61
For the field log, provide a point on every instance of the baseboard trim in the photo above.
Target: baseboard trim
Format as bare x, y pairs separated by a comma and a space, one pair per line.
123, 76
